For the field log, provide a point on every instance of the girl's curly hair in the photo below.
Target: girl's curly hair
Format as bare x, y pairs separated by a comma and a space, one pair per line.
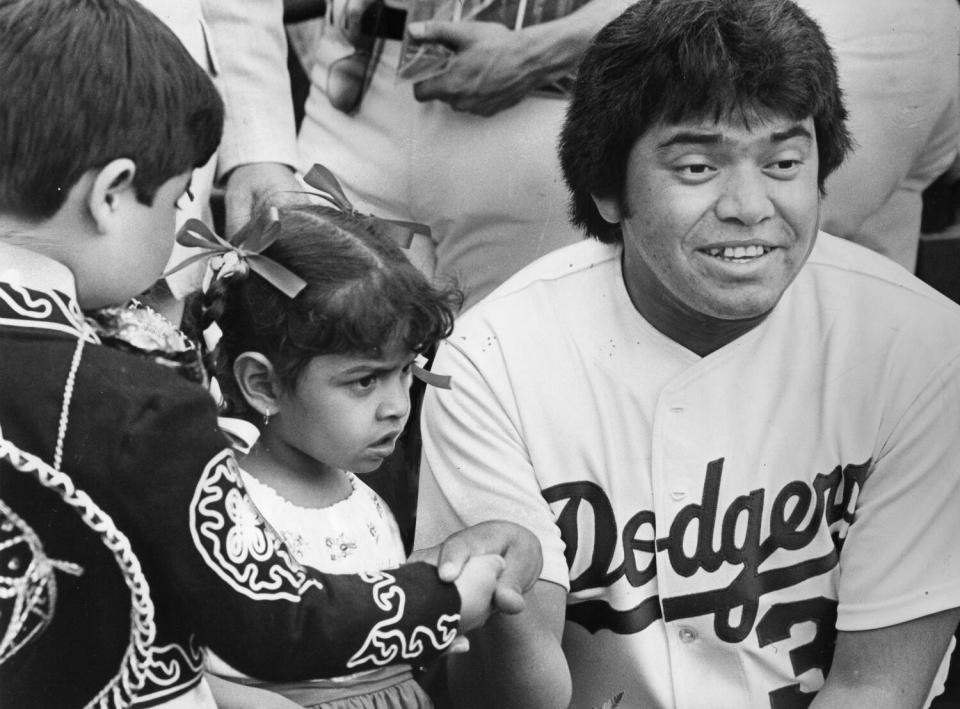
362, 297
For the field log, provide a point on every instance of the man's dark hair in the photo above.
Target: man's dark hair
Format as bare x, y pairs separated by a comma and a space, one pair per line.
670, 61
84, 82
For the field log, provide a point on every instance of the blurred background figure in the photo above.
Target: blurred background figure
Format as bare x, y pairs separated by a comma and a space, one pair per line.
241, 45
471, 152
898, 68
475, 156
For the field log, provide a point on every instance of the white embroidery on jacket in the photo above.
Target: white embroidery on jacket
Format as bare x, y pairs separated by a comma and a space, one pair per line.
236, 542
386, 643
122, 688
28, 583
173, 668
43, 310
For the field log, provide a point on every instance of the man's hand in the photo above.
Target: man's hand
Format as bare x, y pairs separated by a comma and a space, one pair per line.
254, 186
518, 547
492, 68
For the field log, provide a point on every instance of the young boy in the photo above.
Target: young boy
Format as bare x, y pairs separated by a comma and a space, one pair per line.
127, 542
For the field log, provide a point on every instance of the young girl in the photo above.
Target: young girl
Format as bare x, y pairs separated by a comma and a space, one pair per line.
325, 376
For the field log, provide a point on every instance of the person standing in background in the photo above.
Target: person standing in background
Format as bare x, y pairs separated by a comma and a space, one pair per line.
898, 68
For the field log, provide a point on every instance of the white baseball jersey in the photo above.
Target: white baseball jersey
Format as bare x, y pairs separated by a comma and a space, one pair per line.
716, 519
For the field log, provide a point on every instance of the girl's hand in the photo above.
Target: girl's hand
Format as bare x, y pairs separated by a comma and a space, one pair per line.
517, 545
476, 584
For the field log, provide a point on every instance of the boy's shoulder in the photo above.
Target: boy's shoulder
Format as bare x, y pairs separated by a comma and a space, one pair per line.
103, 382
121, 418
41, 325
48, 349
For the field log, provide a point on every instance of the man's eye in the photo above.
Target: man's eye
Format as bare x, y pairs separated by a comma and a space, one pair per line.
696, 171
787, 167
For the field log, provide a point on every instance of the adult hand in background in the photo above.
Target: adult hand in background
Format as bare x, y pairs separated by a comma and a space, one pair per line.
491, 69
494, 68
518, 546
253, 186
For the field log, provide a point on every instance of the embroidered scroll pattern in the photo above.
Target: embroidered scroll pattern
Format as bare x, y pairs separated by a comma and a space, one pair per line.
22, 307
28, 583
386, 642
236, 542
35, 591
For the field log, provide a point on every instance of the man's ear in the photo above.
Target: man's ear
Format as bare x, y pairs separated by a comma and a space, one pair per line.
258, 382
111, 184
609, 208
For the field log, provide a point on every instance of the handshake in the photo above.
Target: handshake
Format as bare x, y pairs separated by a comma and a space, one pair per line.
493, 564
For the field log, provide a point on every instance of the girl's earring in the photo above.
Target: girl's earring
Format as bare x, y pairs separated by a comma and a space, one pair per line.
266, 417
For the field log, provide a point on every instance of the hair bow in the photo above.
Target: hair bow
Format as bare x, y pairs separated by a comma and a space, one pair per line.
420, 371
237, 257
328, 187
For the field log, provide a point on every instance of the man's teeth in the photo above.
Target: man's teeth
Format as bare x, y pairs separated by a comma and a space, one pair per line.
739, 252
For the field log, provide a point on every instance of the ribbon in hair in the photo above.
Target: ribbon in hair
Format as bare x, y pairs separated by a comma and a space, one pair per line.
328, 187
243, 253
401, 232
420, 371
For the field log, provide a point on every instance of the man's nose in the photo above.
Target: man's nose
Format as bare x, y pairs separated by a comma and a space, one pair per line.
745, 197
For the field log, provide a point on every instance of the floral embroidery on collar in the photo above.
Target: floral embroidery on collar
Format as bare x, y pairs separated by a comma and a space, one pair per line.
339, 547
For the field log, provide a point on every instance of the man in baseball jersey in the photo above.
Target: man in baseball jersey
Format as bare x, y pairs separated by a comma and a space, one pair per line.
736, 438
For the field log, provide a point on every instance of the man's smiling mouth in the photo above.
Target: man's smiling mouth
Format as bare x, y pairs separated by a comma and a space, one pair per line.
738, 254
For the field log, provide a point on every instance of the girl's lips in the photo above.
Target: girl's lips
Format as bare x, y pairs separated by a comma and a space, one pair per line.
388, 440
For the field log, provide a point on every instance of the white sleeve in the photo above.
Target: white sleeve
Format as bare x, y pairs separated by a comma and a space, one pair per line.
901, 558
251, 51
475, 465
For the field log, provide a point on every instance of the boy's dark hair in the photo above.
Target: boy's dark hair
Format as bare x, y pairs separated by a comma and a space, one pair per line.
362, 295
84, 82
668, 61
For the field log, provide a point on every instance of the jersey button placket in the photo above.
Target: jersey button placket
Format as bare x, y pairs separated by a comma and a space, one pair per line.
677, 436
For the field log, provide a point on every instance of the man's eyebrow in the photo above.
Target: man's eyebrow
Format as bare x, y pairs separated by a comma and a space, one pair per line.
691, 138
703, 138
797, 131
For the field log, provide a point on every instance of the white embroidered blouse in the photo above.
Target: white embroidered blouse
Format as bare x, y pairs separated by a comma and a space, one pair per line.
358, 533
